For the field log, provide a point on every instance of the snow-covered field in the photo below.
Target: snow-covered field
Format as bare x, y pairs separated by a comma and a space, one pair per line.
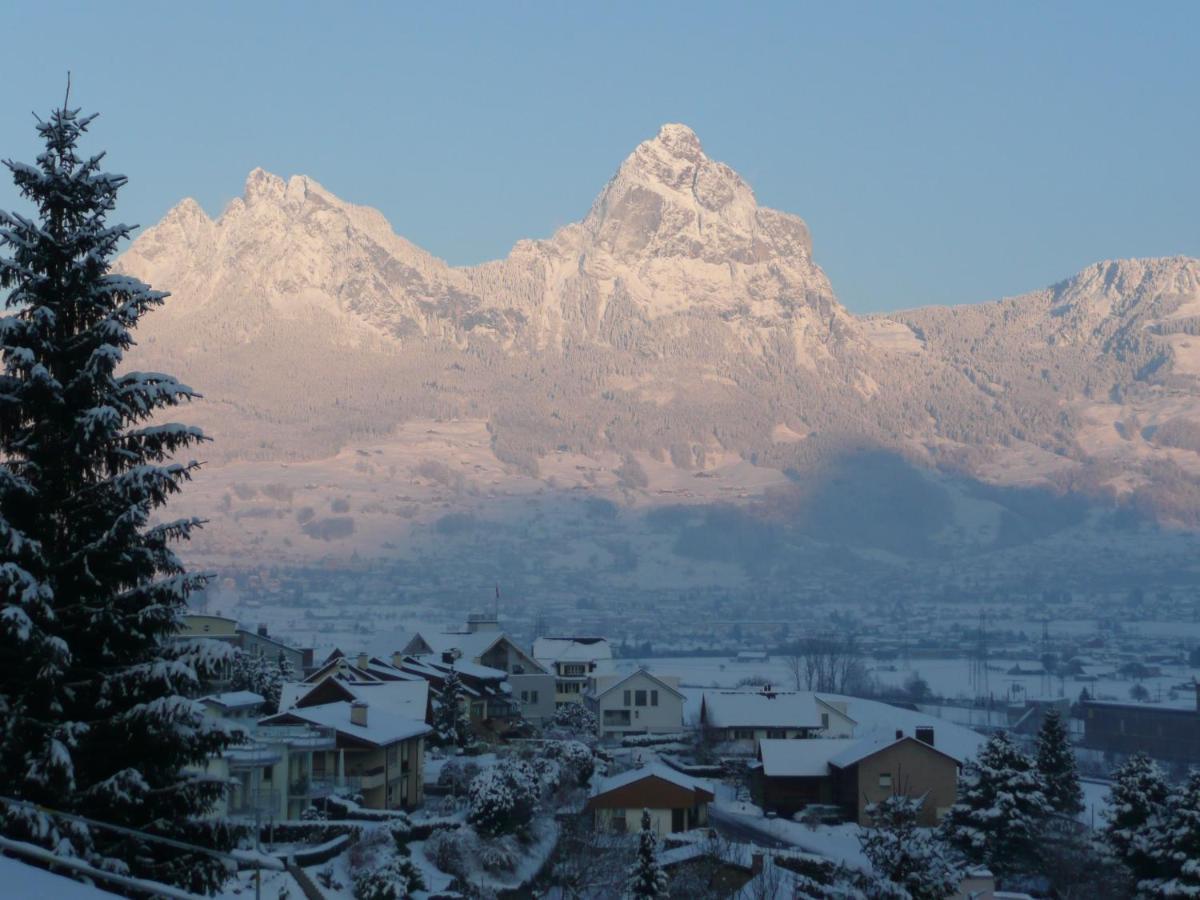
947, 677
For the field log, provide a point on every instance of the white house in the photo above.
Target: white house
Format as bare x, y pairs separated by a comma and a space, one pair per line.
743, 718
638, 703
572, 660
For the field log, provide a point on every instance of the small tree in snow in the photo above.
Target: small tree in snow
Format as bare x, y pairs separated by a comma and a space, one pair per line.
1000, 811
1056, 763
1135, 803
910, 857
94, 710
647, 880
451, 724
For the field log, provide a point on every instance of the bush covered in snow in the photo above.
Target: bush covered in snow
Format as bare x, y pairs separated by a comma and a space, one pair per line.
457, 775
394, 880
503, 798
574, 757
575, 717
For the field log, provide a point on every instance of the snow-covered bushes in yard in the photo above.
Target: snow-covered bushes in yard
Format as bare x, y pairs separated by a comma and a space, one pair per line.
574, 757
394, 880
503, 798
575, 717
457, 775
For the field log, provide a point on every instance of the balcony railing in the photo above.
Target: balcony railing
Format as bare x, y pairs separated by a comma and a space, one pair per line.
298, 737
311, 788
264, 802
252, 756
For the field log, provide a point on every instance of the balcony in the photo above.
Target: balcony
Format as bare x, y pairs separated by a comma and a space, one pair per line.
297, 737
261, 802
311, 788
252, 756
617, 717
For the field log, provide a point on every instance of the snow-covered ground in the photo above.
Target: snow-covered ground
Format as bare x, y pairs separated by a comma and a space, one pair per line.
946, 677
17, 879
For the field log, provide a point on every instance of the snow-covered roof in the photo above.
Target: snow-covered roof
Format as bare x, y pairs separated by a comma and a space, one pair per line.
654, 770
571, 649
808, 758
383, 725
409, 697
606, 688
235, 699
869, 746
763, 709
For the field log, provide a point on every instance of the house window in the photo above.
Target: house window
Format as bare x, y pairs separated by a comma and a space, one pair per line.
533, 696
776, 733
654, 698
524, 696
824, 720
628, 696
618, 821
743, 734
639, 698
885, 779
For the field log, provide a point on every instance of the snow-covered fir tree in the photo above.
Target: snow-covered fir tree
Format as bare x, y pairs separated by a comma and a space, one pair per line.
256, 673
451, 724
1056, 763
94, 709
647, 880
1176, 845
1135, 803
1001, 809
910, 857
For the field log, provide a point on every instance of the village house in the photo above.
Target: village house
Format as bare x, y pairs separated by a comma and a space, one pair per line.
379, 728
485, 693
850, 773
741, 719
257, 643
572, 661
484, 644
269, 771
676, 801
638, 703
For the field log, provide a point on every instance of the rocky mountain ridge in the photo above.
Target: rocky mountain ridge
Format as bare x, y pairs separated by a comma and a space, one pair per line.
679, 321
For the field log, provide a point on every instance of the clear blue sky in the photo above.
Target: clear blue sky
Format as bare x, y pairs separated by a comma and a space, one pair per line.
940, 152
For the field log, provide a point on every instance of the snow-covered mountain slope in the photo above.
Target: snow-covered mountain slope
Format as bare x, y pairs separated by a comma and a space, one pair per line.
679, 320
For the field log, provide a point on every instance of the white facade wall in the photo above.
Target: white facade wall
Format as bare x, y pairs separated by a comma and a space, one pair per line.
618, 711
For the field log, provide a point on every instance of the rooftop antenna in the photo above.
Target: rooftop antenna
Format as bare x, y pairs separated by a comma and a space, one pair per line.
496, 603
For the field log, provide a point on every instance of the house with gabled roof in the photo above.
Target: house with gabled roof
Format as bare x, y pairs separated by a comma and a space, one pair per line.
676, 802
742, 719
637, 703
379, 727
572, 660
483, 643
851, 773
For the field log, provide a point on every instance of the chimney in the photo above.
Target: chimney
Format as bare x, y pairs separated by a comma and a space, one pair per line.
363, 659
262, 629
756, 862
397, 659
358, 713
925, 734
899, 733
